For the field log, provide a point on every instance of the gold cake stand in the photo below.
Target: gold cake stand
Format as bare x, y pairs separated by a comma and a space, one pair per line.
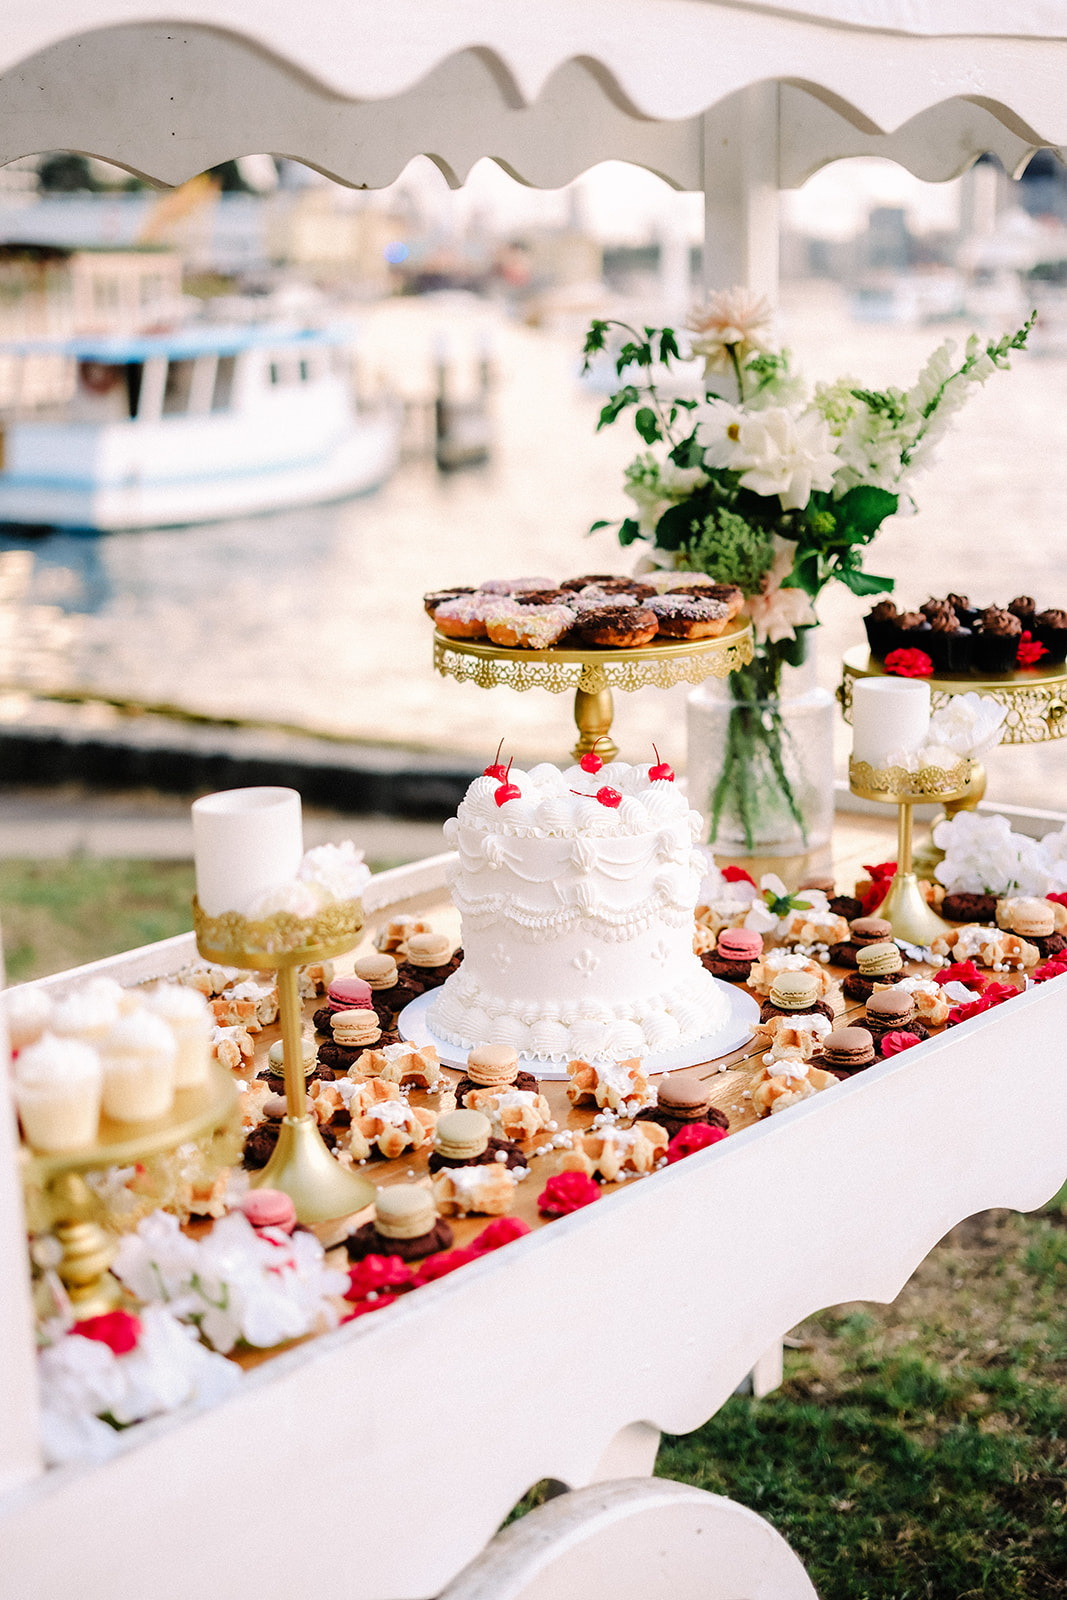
594, 674
88, 1247
1035, 700
905, 907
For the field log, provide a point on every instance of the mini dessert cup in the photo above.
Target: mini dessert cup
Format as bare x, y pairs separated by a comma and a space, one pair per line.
58, 1086
186, 1013
911, 631
997, 643
950, 649
881, 626
139, 1056
1050, 629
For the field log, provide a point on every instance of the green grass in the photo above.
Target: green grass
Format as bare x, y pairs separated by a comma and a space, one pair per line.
58, 914
918, 1451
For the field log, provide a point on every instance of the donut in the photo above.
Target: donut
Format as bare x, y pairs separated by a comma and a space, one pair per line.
618, 627
731, 596
438, 597
529, 627
682, 616
466, 616
513, 585
594, 588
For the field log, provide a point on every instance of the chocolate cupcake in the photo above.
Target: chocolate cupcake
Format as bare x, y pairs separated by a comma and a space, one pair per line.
961, 605
997, 642
912, 632
1050, 629
1024, 607
950, 645
880, 623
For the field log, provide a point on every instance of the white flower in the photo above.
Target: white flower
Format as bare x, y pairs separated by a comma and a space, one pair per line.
298, 899
737, 319
718, 430
338, 870
776, 611
970, 724
777, 453
984, 856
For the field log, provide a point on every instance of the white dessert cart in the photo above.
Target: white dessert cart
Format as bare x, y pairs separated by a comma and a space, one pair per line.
565, 1354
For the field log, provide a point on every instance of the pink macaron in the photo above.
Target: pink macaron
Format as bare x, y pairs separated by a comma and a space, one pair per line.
269, 1208
739, 944
350, 994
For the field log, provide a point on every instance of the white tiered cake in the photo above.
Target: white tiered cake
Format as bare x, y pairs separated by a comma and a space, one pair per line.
577, 917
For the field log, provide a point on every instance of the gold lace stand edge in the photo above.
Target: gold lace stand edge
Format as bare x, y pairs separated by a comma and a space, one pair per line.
282, 940
651, 666
1036, 702
897, 786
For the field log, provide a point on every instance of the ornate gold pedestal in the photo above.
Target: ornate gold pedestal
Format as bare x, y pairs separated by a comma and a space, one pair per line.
1036, 703
905, 907
593, 674
89, 1247
319, 1187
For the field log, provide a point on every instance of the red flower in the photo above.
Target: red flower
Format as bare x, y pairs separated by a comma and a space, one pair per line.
499, 1232
365, 1307
688, 1140
738, 875
119, 1330
375, 1275
567, 1192
440, 1265
1049, 969
909, 664
963, 972
1029, 652
997, 993
973, 1009
1060, 899
881, 876
894, 1043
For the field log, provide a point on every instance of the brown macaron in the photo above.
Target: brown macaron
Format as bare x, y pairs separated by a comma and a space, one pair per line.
683, 1096
889, 1009
848, 1049
869, 930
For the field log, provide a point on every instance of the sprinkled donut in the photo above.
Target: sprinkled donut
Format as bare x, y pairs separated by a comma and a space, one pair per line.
466, 617
439, 597
682, 616
529, 627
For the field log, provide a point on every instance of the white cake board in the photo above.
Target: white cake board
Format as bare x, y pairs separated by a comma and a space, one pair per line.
736, 1031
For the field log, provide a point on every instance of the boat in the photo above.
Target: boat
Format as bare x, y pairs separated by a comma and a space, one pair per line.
195, 425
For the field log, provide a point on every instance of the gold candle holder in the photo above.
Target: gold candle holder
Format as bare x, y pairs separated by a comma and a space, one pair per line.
319, 1187
905, 907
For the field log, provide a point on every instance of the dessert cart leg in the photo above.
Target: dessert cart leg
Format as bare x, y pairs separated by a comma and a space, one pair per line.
636, 1539
88, 1249
319, 1187
592, 715
928, 857
905, 907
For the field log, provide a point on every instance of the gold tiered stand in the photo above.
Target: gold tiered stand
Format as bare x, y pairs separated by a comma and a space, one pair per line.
318, 1185
594, 674
88, 1247
1035, 700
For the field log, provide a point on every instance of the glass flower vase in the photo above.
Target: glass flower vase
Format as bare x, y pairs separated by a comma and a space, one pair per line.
761, 759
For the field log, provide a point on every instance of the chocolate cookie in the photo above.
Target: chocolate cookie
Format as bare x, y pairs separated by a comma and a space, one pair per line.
847, 906
843, 954
712, 1118
731, 971
367, 1241
523, 1080
821, 1007
343, 1056
515, 1157
970, 907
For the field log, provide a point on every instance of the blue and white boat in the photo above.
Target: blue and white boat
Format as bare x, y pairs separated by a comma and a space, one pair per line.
191, 426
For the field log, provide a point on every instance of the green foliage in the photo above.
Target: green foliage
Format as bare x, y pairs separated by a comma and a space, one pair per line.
728, 549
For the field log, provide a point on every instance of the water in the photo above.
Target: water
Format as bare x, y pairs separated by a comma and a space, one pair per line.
313, 618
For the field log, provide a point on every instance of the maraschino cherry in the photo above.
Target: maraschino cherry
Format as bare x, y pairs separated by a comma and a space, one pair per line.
606, 796
591, 762
497, 770
661, 773
507, 791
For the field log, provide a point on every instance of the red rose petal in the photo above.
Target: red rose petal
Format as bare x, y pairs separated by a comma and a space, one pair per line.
909, 664
440, 1265
689, 1140
1049, 969
501, 1231
119, 1330
894, 1043
374, 1274
567, 1192
963, 972
738, 875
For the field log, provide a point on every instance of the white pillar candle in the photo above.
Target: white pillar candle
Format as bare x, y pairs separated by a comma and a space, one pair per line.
246, 843
888, 715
